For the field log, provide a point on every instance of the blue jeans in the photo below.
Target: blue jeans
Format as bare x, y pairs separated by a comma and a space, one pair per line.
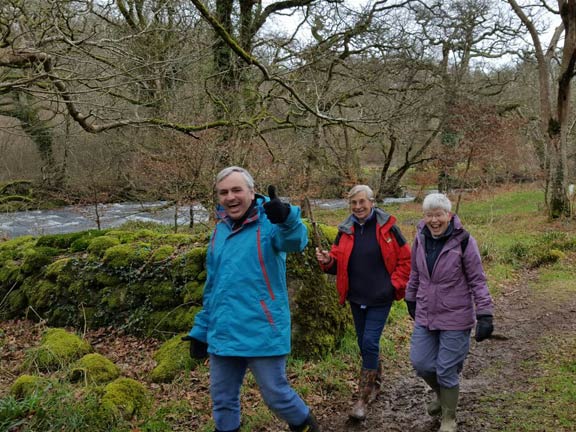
369, 322
226, 377
439, 352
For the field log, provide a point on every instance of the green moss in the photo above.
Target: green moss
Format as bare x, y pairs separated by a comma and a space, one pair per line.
58, 348
116, 298
162, 294
162, 253
330, 232
9, 273
59, 241
36, 258
125, 397
172, 358
177, 239
107, 280
94, 369
316, 334
99, 245
127, 255
16, 302
19, 243
60, 272
174, 320
42, 294
26, 385
193, 292
82, 243
189, 265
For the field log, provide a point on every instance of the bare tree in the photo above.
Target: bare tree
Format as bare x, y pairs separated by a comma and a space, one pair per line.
555, 106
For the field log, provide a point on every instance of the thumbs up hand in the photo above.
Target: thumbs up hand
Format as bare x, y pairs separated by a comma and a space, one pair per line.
276, 210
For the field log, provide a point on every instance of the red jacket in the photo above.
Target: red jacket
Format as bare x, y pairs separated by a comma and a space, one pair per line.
395, 252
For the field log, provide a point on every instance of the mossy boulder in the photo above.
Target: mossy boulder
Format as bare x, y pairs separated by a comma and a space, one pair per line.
42, 294
100, 245
190, 264
94, 368
16, 301
127, 255
34, 259
193, 292
125, 397
162, 253
58, 348
82, 242
59, 241
61, 271
173, 320
26, 385
10, 273
172, 358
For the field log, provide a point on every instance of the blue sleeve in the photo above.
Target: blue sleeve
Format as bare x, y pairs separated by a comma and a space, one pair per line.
292, 235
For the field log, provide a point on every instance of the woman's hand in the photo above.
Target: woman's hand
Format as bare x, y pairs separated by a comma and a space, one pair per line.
323, 256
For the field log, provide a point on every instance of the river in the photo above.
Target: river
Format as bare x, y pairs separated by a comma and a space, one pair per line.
81, 218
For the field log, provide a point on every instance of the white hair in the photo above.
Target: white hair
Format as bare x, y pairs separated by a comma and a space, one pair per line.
435, 201
361, 188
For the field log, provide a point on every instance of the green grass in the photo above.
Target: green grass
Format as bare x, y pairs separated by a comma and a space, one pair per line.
548, 402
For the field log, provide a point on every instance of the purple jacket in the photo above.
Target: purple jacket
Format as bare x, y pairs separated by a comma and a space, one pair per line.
456, 291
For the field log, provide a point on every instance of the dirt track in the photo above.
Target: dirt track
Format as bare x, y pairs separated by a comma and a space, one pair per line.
493, 366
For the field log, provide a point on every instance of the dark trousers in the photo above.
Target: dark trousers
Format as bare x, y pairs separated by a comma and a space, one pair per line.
369, 322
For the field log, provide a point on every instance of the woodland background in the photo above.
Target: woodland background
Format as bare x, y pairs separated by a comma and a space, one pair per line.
136, 99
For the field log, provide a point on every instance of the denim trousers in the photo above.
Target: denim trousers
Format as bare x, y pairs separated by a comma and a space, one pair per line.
369, 322
439, 352
226, 377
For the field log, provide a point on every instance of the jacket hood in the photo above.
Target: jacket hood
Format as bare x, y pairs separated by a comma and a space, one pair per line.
382, 218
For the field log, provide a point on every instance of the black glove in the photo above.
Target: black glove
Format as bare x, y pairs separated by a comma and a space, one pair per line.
411, 305
276, 210
484, 327
198, 349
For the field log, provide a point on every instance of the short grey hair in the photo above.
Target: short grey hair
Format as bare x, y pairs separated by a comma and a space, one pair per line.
361, 188
232, 169
436, 201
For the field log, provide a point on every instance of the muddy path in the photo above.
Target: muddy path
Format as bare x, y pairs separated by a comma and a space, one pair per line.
495, 366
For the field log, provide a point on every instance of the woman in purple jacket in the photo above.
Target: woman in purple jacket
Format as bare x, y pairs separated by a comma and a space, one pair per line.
445, 296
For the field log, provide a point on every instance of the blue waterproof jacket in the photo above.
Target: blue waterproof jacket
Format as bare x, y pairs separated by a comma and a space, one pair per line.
246, 312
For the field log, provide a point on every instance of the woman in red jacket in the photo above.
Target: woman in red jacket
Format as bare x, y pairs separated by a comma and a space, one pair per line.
371, 261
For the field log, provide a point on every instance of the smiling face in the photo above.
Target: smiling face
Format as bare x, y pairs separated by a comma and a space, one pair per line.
437, 221
361, 206
234, 195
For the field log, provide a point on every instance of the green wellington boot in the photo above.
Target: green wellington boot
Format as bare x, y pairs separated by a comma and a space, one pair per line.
449, 402
433, 408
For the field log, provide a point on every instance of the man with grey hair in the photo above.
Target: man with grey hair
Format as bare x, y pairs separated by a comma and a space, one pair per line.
245, 318
446, 295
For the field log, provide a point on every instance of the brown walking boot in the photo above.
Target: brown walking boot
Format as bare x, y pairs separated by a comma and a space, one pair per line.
377, 387
367, 380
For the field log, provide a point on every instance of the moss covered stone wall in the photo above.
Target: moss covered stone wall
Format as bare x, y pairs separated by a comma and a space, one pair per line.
146, 283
